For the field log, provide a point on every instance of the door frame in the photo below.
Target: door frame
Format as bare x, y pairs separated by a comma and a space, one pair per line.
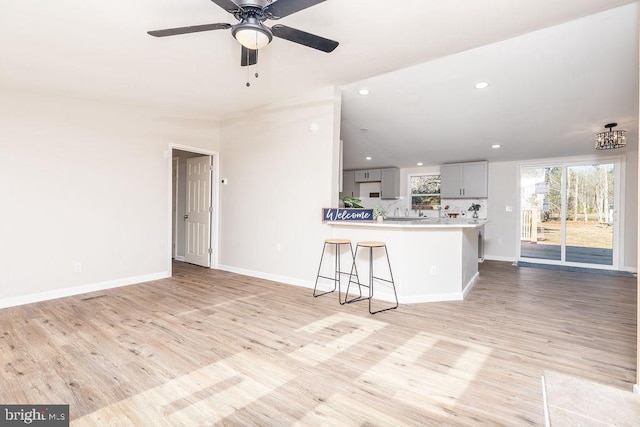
215, 201
565, 162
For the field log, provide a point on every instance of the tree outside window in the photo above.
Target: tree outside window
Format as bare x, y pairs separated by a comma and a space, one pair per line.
425, 192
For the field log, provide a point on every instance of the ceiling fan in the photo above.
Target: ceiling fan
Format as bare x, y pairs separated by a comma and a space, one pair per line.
251, 32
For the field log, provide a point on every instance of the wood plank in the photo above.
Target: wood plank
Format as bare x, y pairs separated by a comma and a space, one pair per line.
214, 346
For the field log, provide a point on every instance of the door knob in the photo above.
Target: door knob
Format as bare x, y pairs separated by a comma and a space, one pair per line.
186, 216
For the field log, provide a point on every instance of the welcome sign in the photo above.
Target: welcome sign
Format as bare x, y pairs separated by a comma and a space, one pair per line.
347, 214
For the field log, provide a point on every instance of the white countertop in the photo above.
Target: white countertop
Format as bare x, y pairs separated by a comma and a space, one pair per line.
410, 222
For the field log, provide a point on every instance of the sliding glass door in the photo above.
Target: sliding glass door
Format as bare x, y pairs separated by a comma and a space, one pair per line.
590, 214
568, 214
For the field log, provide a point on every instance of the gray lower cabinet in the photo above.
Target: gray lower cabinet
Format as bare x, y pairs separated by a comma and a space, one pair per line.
389, 183
464, 180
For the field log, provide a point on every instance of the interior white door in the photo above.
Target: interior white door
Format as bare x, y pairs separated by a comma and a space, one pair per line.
198, 212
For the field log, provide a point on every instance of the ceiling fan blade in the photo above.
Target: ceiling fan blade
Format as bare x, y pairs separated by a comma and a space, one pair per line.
249, 57
227, 5
187, 30
304, 38
281, 8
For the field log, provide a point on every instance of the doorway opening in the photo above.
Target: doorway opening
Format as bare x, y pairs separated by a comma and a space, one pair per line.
194, 206
569, 214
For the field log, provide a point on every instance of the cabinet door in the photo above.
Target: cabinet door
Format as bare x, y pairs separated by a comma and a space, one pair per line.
374, 175
369, 175
389, 183
474, 180
348, 184
450, 181
361, 176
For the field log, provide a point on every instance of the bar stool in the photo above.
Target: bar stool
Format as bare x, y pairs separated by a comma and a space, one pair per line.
338, 243
370, 245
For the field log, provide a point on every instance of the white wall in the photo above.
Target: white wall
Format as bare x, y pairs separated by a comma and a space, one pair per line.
500, 233
501, 237
280, 175
85, 182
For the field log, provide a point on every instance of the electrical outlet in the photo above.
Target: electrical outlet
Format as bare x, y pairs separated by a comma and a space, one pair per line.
433, 271
499, 241
77, 267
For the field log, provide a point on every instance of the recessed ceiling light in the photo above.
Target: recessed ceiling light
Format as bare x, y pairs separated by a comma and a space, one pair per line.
482, 85
367, 158
364, 91
419, 164
495, 146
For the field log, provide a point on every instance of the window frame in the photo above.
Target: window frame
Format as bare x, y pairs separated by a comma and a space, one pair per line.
410, 189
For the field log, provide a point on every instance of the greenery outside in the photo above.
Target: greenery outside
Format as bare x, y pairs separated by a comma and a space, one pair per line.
425, 192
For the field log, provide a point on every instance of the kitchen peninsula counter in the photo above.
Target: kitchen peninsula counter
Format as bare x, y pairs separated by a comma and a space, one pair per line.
432, 259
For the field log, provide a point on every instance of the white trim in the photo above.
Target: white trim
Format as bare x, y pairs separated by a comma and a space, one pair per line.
545, 404
410, 194
215, 200
470, 284
499, 258
83, 289
619, 162
180, 258
268, 276
636, 388
412, 299
175, 165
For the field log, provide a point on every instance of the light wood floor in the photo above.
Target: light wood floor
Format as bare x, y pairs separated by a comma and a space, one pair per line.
208, 347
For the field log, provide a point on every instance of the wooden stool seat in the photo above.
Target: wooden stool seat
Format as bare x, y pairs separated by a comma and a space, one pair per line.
338, 241
372, 244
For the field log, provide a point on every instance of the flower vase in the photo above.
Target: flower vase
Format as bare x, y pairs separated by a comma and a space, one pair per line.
475, 214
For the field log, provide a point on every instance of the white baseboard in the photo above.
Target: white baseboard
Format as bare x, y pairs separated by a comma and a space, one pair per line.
268, 276
636, 388
77, 290
630, 269
469, 285
382, 296
499, 258
179, 258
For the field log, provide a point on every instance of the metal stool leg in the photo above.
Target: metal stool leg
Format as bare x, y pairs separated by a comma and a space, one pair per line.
337, 272
379, 278
372, 278
354, 267
319, 276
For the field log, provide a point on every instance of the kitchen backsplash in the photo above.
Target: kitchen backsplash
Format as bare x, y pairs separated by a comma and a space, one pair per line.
402, 207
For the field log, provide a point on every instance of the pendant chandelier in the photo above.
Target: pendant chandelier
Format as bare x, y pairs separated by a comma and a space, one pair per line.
611, 139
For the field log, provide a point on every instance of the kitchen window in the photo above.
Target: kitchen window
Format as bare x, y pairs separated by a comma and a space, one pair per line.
425, 191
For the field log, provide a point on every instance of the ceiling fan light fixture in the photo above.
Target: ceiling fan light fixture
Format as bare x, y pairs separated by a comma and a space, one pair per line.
253, 36
611, 138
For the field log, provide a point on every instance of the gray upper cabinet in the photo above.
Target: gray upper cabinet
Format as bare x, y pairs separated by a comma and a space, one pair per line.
370, 175
349, 184
464, 180
389, 183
